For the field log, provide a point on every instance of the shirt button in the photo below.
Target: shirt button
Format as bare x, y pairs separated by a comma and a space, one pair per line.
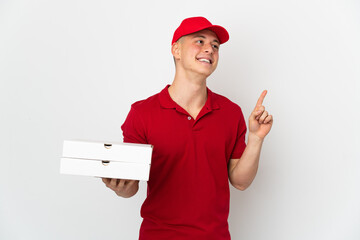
189, 118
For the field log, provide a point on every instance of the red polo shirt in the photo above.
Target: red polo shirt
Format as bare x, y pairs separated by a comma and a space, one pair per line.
188, 189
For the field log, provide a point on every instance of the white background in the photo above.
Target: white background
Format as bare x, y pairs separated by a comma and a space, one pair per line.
71, 69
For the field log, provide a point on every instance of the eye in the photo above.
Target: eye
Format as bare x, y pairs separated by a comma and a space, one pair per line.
200, 41
215, 46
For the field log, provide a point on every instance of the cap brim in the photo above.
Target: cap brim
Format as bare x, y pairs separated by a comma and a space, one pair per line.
220, 32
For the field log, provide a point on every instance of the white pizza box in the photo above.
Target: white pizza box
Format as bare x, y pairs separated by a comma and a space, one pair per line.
110, 160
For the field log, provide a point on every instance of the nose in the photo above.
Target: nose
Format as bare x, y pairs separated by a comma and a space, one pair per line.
208, 48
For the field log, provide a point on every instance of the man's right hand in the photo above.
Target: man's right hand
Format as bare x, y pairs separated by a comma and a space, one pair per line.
122, 187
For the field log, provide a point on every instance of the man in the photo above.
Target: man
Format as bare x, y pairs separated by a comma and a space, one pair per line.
199, 144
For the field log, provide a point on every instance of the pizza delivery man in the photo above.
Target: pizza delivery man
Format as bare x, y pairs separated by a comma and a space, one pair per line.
198, 140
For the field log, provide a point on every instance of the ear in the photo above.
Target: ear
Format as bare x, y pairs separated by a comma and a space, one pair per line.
175, 50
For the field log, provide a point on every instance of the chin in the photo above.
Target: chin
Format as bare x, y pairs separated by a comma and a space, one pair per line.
206, 73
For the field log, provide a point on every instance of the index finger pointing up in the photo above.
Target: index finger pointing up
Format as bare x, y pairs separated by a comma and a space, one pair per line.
261, 99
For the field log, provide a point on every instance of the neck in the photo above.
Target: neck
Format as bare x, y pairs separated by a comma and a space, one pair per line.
189, 92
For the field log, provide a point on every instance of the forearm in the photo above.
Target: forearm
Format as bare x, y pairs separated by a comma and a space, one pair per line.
244, 171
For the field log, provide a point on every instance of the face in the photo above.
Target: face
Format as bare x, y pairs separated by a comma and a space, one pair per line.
198, 52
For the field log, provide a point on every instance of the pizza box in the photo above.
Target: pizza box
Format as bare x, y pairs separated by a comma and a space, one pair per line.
108, 160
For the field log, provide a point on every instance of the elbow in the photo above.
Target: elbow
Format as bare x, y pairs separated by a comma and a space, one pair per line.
240, 187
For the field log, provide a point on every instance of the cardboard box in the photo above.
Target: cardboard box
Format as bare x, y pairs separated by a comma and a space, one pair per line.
111, 160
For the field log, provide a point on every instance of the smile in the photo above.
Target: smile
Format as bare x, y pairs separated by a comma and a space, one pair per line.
205, 60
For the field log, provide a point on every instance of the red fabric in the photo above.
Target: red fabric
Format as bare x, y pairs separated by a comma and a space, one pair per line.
188, 188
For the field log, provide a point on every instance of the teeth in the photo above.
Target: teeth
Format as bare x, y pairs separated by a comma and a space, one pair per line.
204, 60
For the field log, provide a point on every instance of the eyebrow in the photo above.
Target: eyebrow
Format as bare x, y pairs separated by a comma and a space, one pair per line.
202, 36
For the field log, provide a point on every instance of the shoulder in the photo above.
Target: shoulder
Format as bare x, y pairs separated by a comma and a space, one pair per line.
147, 104
226, 104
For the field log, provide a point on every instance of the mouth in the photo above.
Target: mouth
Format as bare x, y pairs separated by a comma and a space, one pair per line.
206, 60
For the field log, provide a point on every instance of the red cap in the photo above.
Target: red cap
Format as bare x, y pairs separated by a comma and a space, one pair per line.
195, 24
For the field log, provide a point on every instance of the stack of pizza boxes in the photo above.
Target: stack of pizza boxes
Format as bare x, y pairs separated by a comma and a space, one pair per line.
109, 160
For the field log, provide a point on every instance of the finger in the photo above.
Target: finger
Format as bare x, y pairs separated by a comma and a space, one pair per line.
113, 182
258, 115
259, 112
105, 180
255, 114
120, 187
121, 183
130, 183
263, 116
268, 119
261, 99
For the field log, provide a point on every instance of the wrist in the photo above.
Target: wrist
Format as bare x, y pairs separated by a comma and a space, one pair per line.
253, 138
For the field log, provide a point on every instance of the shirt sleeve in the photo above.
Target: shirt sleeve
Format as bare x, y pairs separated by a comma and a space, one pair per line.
240, 138
133, 128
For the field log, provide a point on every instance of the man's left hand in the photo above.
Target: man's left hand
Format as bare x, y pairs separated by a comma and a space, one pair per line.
260, 122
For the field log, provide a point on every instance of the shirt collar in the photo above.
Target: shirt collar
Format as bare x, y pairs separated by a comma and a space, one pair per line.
167, 102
